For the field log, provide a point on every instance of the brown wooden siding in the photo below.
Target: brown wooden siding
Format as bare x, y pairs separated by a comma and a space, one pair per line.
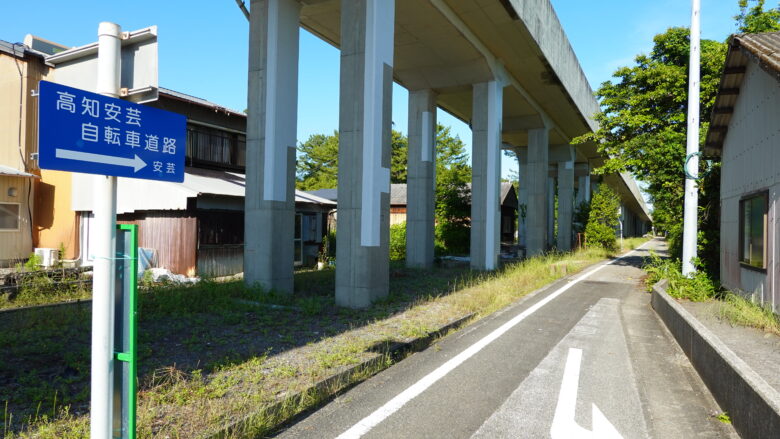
173, 234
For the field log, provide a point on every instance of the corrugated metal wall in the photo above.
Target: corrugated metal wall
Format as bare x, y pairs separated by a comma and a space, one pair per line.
751, 153
220, 260
220, 242
174, 234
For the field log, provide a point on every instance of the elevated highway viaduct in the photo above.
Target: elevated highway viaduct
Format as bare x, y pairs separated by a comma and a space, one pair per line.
503, 66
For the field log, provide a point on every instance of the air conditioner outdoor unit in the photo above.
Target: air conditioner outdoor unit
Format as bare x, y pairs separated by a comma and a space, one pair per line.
49, 256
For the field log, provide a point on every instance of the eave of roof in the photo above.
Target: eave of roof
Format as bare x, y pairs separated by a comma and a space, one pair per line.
173, 94
12, 172
762, 48
19, 50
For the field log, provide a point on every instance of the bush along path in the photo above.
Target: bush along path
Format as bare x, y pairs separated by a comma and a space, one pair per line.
220, 359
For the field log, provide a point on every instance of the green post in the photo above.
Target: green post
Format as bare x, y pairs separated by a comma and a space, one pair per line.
129, 256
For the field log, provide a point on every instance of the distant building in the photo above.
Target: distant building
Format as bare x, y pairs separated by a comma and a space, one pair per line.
744, 131
398, 206
195, 227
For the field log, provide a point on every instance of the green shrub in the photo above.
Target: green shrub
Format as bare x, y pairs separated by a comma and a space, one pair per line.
33, 262
398, 242
452, 238
603, 218
581, 215
698, 288
328, 248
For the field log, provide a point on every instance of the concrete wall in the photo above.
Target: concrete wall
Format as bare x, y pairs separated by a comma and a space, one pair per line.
751, 153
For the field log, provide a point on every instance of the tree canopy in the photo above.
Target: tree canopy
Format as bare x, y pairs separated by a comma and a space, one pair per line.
642, 125
755, 19
318, 162
317, 166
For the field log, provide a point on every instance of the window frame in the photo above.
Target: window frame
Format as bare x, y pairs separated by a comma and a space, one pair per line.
18, 217
743, 262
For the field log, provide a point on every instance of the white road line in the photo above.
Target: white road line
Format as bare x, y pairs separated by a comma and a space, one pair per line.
366, 424
564, 426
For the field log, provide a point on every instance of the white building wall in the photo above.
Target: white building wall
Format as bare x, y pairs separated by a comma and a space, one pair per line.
751, 155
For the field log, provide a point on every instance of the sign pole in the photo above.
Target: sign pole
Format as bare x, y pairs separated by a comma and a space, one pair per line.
101, 423
690, 215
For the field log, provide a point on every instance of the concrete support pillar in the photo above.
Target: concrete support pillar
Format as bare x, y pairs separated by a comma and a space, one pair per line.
522, 198
270, 144
486, 175
536, 212
583, 190
550, 211
587, 189
363, 228
565, 204
421, 179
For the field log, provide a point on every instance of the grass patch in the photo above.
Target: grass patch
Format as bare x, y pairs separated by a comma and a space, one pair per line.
740, 311
39, 287
215, 353
724, 418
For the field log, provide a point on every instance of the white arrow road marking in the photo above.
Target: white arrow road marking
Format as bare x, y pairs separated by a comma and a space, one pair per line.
136, 163
564, 426
366, 424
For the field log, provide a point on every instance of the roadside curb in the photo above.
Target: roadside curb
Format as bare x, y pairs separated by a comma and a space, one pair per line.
752, 404
327, 388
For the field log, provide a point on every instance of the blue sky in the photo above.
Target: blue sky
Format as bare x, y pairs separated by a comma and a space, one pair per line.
203, 46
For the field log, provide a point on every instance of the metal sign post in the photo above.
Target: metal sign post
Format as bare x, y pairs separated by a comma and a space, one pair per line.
101, 412
80, 131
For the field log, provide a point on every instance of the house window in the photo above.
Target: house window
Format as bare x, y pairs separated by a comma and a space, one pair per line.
9, 216
211, 146
298, 240
752, 216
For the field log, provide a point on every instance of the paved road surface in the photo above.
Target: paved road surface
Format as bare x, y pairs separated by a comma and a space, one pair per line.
585, 357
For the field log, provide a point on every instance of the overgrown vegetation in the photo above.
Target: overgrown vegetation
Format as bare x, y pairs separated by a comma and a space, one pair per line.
730, 306
31, 285
217, 352
698, 288
398, 241
603, 218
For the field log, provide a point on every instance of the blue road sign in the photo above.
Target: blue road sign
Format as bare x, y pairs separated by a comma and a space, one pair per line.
80, 131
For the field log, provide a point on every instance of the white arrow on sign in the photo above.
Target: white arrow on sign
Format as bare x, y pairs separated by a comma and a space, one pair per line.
564, 425
135, 163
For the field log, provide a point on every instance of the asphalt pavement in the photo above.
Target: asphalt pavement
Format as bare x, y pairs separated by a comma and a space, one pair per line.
584, 357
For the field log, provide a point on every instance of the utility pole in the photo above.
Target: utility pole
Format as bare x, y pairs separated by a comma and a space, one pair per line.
101, 406
692, 148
